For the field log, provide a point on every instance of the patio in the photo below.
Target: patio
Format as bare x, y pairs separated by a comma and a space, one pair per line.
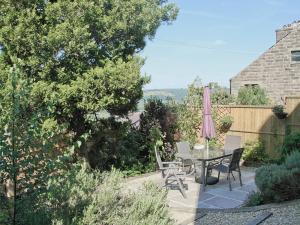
215, 196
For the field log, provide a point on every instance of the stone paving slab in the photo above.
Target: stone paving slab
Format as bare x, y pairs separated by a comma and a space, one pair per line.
223, 202
235, 194
216, 196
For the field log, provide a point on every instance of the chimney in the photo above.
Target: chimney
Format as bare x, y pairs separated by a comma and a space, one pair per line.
285, 30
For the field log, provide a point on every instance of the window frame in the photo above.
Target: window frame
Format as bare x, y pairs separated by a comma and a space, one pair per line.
295, 58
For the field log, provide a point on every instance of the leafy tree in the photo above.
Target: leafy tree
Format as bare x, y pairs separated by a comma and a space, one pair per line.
252, 95
220, 95
158, 115
80, 56
27, 142
190, 113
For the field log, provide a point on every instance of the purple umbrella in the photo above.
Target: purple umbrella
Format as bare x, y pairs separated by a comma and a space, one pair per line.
208, 128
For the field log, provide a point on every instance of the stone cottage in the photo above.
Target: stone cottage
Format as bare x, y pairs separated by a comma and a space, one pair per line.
278, 69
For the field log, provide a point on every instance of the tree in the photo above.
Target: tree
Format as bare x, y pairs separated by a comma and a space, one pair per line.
158, 115
26, 144
252, 95
80, 56
220, 95
190, 113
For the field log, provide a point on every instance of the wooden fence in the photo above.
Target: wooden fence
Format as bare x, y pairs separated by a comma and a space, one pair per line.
255, 123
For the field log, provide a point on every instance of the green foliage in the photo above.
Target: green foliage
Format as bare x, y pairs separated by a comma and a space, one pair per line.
291, 143
28, 140
225, 123
254, 153
226, 120
85, 197
213, 144
252, 95
128, 148
189, 113
254, 199
280, 182
4, 210
80, 56
292, 161
158, 115
279, 111
220, 95
117, 144
74, 59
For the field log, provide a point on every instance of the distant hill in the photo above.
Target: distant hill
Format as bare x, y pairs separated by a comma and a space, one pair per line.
164, 94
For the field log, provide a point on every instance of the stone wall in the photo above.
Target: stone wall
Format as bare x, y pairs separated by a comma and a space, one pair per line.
274, 70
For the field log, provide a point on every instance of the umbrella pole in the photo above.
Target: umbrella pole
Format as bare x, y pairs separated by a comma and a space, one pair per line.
207, 146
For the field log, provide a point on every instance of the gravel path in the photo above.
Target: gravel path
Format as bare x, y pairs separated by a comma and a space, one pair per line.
285, 214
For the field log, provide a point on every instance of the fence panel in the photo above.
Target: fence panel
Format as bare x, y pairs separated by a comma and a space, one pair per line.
255, 123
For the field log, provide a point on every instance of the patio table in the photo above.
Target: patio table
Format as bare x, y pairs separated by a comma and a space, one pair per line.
205, 156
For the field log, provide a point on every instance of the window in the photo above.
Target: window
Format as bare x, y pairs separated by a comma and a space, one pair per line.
251, 85
295, 55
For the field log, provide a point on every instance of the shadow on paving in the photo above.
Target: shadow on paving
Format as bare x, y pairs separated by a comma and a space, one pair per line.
215, 196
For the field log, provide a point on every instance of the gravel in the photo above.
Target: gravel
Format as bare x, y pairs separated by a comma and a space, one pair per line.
285, 214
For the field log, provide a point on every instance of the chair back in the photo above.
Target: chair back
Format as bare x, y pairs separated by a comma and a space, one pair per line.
236, 158
183, 148
158, 158
232, 142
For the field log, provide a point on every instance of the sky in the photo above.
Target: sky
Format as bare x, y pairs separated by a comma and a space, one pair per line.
214, 40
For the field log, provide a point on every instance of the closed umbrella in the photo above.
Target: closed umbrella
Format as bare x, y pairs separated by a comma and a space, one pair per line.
208, 127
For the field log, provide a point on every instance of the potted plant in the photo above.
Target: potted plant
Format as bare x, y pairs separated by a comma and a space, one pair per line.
225, 123
279, 112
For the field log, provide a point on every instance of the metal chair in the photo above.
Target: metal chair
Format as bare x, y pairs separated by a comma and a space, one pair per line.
228, 168
171, 172
184, 154
232, 142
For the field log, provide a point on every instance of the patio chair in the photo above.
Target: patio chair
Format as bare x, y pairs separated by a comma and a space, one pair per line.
171, 172
228, 168
232, 142
184, 154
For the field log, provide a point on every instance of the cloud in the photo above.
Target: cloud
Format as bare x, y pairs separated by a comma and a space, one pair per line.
219, 42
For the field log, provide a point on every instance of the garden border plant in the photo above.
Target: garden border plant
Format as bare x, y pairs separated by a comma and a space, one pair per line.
225, 123
281, 182
279, 111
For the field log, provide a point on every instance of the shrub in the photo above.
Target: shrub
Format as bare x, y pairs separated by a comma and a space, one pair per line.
270, 179
220, 95
291, 144
158, 115
189, 113
213, 144
252, 95
278, 183
254, 152
85, 197
254, 199
145, 207
292, 161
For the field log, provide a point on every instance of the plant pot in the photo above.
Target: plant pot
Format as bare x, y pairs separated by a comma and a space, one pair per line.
225, 127
281, 115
